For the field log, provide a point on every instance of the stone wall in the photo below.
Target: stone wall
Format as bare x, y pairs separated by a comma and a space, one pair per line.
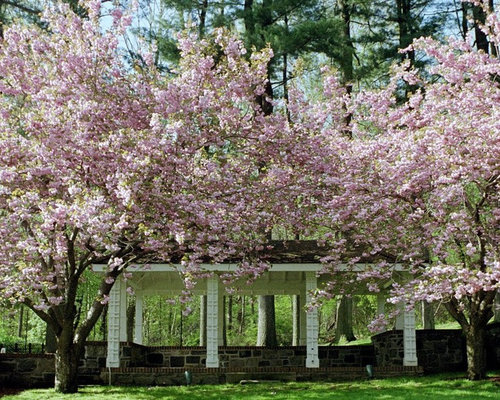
437, 350
142, 364
133, 355
26, 370
493, 345
176, 376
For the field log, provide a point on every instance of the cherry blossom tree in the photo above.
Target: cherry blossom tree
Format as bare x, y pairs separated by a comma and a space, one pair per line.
416, 182
100, 163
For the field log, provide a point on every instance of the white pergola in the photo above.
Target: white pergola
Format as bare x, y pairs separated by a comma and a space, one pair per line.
281, 279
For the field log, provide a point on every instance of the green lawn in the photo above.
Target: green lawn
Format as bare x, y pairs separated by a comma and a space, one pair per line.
442, 387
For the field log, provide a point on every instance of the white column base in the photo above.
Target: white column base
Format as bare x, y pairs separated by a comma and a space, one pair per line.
409, 340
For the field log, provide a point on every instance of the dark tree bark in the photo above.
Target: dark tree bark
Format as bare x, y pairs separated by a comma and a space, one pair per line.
130, 321
21, 322
404, 24
347, 60
50, 340
343, 320
266, 328
203, 17
479, 312
104, 323
476, 352
66, 377
464, 23
481, 38
428, 315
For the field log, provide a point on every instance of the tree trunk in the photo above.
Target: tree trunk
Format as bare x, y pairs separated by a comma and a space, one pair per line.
476, 352
130, 322
241, 315
203, 17
343, 323
404, 19
50, 340
480, 311
266, 328
66, 361
104, 323
428, 315
21, 320
481, 38
464, 21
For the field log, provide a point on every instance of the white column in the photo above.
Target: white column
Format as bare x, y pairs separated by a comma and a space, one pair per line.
138, 319
123, 311
381, 307
312, 360
220, 318
302, 319
400, 319
409, 339
113, 356
212, 322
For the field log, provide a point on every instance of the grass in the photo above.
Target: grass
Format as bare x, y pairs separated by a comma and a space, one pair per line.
356, 342
443, 387
448, 325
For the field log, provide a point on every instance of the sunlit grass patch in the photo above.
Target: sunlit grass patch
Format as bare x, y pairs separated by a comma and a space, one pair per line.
443, 387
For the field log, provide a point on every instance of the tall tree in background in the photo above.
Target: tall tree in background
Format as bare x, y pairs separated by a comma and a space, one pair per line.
393, 25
